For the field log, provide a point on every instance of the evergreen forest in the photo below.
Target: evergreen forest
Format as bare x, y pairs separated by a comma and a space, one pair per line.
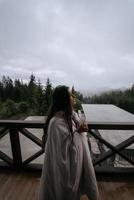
121, 98
19, 100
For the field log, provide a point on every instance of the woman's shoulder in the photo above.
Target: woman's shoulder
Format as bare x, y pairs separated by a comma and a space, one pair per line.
57, 121
58, 124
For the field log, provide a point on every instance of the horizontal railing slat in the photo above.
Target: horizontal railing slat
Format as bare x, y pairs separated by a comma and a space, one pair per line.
91, 125
21, 124
111, 125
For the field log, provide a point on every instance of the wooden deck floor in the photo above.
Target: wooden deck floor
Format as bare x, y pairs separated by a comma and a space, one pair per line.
25, 185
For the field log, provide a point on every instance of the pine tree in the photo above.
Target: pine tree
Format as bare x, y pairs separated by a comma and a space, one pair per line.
40, 97
1, 92
17, 90
48, 95
32, 88
7, 88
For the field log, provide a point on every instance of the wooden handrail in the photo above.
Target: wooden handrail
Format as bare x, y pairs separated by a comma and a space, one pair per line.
111, 125
21, 124
91, 125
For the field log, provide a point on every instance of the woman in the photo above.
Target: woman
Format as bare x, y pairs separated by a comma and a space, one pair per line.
67, 171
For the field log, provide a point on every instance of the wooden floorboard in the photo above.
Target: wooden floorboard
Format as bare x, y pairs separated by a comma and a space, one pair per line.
18, 186
25, 186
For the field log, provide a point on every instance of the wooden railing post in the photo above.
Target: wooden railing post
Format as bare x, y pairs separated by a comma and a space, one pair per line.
16, 149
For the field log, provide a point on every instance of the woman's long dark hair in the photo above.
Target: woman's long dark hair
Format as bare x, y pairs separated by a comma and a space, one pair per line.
60, 102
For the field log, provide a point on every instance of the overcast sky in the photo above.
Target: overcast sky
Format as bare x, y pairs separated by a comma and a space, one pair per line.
85, 43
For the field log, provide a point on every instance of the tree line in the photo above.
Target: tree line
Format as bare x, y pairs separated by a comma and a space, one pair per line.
19, 99
121, 98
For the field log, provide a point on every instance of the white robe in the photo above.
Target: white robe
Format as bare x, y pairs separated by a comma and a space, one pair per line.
67, 171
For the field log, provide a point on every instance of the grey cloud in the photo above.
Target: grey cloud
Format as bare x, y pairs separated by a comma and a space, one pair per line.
88, 44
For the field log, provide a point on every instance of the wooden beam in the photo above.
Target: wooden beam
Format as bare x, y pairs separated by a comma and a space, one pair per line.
91, 125
6, 158
36, 155
114, 171
32, 137
111, 125
16, 149
3, 132
21, 124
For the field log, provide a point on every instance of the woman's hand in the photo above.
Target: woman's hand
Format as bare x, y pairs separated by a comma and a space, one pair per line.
82, 128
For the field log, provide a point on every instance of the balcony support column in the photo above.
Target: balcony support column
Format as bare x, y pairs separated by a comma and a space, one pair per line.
16, 149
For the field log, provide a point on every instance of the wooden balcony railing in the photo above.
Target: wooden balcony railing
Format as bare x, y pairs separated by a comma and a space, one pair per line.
94, 129
14, 127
